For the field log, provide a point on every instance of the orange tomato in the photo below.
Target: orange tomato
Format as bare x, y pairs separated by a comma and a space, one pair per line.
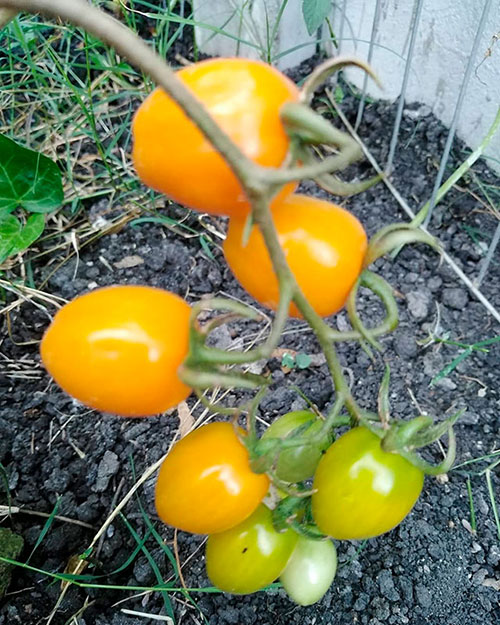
324, 246
171, 155
205, 484
117, 349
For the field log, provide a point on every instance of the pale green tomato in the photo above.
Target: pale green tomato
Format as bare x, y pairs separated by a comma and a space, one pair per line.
310, 570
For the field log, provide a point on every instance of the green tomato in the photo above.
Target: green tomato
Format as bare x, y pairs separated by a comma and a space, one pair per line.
296, 464
361, 490
249, 556
310, 571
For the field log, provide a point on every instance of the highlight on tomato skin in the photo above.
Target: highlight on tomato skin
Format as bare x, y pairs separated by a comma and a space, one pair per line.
117, 349
324, 245
205, 484
244, 97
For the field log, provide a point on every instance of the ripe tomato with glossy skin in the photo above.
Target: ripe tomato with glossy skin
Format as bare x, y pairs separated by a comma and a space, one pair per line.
324, 245
205, 484
171, 155
310, 570
117, 349
361, 490
295, 464
250, 555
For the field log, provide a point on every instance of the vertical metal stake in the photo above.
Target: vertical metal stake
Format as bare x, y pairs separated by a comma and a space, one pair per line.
399, 113
361, 107
341, 28
461, 95
489, 257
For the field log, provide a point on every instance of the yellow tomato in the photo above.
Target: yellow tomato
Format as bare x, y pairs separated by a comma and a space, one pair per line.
117, 349
171, 155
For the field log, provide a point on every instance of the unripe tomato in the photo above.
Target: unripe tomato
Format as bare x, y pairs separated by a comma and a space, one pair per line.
205, 484
171, 155
310, 570
117, 349
323, 244
361, 490
295, 464
250, 555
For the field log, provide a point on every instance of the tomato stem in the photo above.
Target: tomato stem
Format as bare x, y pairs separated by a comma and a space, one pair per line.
262, 217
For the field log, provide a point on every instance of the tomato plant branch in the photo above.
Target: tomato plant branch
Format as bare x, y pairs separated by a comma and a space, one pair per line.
262, 217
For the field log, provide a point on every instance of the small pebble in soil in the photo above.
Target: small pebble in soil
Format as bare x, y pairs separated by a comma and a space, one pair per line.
456, 298
108, 467
418, 303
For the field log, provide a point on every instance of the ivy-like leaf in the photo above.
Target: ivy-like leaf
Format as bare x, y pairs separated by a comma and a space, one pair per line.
14, 237
288, 360
28, 179
314, 12
302, 360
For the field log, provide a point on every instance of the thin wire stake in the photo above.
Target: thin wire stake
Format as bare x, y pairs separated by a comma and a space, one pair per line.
458, 107
489, 257
341, 28
399, 113
361, 107
404, 205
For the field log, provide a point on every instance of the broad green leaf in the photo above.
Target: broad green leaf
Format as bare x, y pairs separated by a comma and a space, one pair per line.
14, 237
28, 179
10, 227
314, 12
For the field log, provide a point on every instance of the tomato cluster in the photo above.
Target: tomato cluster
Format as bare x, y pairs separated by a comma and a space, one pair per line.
119, 349
130, 339
207, 485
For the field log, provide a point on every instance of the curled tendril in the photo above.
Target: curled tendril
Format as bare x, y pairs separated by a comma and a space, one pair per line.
383, 290
329, 67
333, 184
395, 236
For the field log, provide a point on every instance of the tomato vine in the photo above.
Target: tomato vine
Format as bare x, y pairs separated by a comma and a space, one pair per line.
194, 470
